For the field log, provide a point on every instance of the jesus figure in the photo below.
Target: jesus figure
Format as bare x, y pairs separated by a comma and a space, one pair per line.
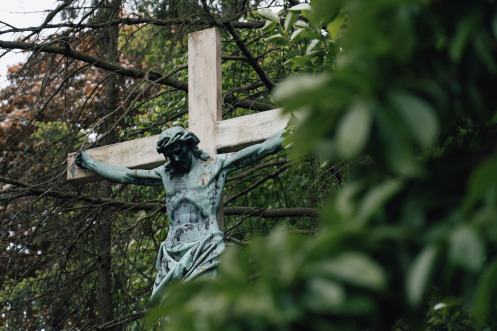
194, 183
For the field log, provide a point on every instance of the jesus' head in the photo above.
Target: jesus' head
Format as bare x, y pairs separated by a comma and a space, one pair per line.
180, 146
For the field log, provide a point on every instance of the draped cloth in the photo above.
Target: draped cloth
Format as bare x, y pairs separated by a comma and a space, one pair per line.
187, 261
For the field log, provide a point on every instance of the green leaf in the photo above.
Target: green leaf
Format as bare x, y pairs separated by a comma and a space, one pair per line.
299, 7
298, 61
418, 275
482, 42
486, 293
301, 24
301, 90
269, 26
303, 33
466, 248
418, 115
494, 25
268, 14
345, 199
481, 181
295, 34
376, 197
289, 20
356, 269
323, 294
396, 151
463, 35
315, 43
335, 26
326, 11
277, 39
353, 130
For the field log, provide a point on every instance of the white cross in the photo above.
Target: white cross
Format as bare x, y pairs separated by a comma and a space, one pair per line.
204, 115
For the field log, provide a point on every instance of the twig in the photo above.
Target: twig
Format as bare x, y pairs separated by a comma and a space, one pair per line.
251, 59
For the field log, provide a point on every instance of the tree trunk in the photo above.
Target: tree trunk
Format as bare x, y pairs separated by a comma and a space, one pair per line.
108, 49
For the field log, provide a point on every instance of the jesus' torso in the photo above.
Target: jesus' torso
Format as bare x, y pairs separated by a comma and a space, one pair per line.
193, 199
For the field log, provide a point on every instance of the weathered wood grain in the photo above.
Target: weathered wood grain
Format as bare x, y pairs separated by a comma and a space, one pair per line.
204, 86
134, 154
239, 132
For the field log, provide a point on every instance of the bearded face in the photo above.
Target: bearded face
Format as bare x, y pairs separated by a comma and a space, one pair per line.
180, 156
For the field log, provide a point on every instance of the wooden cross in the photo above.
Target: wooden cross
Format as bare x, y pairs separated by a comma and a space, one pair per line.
204, 116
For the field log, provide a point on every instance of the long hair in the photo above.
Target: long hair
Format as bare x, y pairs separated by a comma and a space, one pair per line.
176, 134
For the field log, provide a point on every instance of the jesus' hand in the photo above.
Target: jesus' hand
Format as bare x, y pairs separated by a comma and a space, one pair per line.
83, 160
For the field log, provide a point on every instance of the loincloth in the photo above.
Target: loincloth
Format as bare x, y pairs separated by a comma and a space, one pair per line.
187, 260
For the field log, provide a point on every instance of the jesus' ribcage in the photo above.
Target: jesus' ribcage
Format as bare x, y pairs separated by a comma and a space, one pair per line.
189, 224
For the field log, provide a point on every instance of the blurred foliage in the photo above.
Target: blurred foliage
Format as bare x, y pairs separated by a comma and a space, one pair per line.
409, 87
306, 285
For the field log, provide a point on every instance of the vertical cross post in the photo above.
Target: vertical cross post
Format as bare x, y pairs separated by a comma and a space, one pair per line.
204, 86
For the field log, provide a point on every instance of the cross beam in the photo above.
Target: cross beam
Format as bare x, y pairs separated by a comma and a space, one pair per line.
204, 116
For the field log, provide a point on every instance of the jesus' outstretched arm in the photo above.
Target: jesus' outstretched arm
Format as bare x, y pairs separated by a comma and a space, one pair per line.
254, 153
118, 174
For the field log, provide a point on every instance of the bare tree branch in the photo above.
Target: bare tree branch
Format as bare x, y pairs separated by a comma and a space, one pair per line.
99, 63
256, 184
137, 21
254, 169
118, 322
49, 18
36, 190
271, 213
251, 59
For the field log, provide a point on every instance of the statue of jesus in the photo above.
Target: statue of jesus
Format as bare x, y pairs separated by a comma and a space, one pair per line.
194, 183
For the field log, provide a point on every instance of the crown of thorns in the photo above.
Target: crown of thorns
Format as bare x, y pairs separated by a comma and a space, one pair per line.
174, 135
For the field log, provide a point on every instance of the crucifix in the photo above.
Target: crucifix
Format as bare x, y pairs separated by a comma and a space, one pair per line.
193, 174
204, 116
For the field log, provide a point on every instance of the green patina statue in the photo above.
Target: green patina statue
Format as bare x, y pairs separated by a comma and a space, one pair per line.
194, 183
